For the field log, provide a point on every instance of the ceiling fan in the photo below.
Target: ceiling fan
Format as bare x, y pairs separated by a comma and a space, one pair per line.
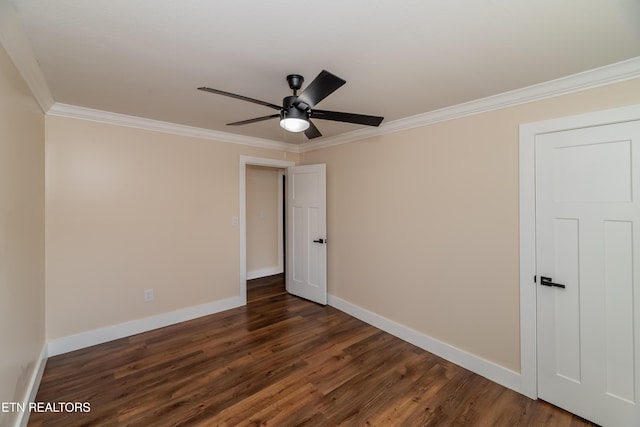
297, 110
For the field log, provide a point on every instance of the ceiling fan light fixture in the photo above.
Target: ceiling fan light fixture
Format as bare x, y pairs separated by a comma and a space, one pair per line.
294, 120
294, 125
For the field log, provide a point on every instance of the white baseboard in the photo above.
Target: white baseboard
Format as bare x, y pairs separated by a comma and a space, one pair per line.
32, 388
121, 330
264, 272
478, 365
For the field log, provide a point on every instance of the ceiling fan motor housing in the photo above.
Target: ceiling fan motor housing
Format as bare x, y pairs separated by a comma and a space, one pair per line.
291, 111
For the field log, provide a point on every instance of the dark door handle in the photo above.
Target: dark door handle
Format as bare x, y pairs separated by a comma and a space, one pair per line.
548, 281
320, 241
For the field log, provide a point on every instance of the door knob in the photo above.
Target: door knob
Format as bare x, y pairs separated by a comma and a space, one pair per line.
320, 241
548, 281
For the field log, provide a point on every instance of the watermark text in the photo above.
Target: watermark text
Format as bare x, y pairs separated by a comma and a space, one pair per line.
65, 407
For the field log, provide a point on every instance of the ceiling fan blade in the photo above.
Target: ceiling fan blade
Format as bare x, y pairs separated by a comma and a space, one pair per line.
337, 116
257, 119
240, 97
321, 87
312, 131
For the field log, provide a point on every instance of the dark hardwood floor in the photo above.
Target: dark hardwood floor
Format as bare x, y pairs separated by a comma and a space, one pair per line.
279, 361
265, 287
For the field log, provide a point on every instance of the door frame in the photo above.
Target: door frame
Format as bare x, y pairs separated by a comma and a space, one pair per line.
527, 204
242, 214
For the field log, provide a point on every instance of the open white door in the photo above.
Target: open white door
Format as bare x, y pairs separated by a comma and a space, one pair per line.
588, 296
306, 268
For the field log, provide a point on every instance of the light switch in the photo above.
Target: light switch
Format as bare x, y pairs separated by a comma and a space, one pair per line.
234, 220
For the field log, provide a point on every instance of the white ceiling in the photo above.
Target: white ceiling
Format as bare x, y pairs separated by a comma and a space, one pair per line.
146, 58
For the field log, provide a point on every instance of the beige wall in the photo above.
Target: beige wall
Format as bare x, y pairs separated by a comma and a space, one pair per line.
22, 290
423, 223
130, 209
262, 218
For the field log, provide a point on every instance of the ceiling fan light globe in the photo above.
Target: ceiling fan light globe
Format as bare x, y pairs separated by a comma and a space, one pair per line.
293, 124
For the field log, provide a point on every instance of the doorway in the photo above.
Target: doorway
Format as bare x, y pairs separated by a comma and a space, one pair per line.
265, 224
265, 232
244, 162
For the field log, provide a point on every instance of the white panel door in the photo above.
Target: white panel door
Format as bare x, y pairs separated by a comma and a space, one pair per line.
588, 266
307, 232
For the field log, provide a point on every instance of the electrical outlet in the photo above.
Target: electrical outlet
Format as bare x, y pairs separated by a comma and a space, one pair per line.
234, 220
148, 295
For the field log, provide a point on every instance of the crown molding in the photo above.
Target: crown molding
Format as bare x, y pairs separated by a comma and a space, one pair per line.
609, 74
83, 113
15, 41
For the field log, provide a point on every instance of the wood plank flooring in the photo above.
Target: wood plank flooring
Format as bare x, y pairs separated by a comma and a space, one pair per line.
279, 361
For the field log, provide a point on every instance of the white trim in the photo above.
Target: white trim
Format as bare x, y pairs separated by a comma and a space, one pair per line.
32, 388
609, 74
16, 42
242, 179
478, 365
126, 329
528, 359
71, 111
263, 272
528, 133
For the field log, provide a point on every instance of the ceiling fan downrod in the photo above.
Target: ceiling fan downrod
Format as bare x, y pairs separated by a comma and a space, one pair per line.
295, 82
